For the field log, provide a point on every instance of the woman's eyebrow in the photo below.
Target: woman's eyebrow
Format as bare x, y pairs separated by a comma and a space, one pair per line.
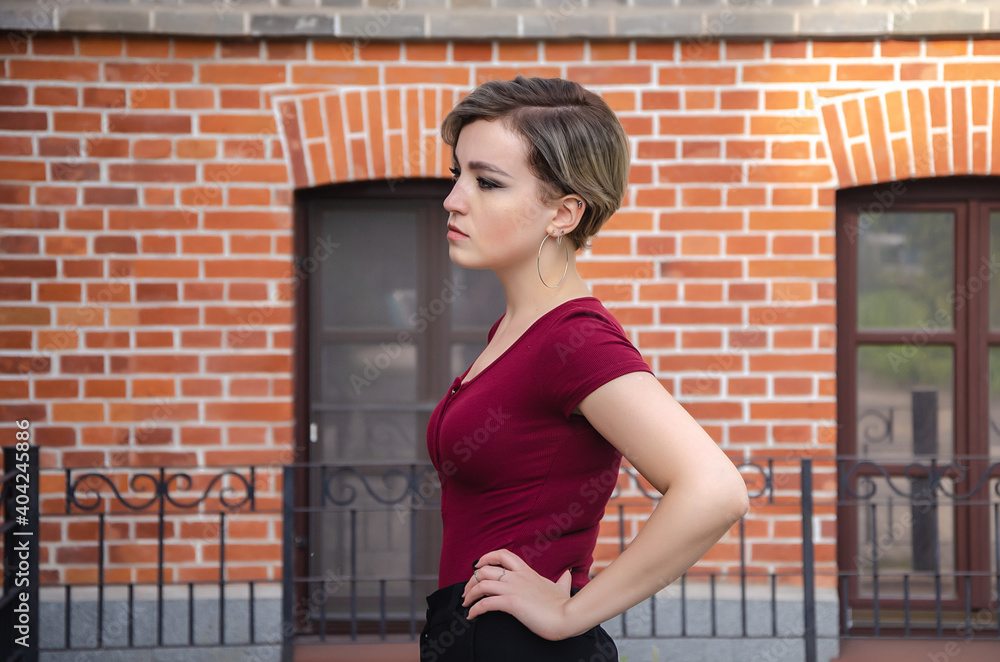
481, 165
488, 167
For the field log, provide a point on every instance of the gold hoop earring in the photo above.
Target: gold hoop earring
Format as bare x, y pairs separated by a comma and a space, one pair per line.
538, 262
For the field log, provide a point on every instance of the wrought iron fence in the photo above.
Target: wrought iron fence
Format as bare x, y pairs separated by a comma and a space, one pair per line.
924, 560
126, 533
328, 597
768, 611
813, 603
917, 544
346, 587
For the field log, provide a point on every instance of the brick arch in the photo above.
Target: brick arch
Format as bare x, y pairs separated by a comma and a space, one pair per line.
346, 135
901, 133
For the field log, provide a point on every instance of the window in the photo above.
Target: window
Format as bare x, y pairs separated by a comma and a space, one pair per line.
918, 399
390, 322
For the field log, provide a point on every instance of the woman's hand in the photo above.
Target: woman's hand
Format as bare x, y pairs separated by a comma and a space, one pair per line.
506, 583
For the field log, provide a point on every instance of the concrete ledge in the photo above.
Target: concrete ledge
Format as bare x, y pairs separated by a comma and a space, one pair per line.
506, 19
228, 654
199, 618
380, 652
980, 649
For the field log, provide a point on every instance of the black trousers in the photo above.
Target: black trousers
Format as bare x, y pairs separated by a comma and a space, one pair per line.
499, 637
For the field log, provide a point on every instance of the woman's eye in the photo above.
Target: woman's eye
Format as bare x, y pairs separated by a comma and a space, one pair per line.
483, 183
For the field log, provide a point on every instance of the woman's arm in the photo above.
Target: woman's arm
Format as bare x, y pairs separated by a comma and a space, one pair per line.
703, 496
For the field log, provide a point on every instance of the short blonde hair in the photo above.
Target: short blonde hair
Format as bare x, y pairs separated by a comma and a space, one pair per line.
576, 145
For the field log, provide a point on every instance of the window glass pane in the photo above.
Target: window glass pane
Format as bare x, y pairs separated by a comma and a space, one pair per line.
905, 270
464, 355
990, 271
897, 527
361, 436
994, 411
368, 273
479, 298
904, 401
367, 373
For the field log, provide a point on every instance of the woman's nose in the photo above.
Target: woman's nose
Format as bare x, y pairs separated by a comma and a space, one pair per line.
455, 202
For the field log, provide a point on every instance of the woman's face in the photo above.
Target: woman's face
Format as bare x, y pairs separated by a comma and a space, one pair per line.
496, 217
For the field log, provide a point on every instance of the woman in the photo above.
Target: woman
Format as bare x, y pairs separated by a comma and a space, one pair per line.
528, 441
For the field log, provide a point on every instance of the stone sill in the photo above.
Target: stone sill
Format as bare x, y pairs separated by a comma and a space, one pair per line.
565, 19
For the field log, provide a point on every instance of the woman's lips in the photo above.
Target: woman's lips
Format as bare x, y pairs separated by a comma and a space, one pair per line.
455, 233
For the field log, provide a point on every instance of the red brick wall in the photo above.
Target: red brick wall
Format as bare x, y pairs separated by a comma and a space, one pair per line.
146, 277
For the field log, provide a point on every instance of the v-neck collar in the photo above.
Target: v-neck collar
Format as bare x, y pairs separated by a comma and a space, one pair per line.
462, 383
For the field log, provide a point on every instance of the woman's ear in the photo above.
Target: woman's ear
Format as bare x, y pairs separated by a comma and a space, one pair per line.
569, 212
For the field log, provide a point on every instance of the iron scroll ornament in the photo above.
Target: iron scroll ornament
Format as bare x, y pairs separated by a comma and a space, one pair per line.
930, 477
878, 427
344, 494
160, 485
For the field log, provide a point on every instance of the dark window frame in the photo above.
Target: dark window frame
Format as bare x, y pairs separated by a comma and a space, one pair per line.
436, 378
972, 199
435, 343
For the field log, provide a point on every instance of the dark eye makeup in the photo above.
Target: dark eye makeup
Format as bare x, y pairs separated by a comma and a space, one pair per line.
482, 182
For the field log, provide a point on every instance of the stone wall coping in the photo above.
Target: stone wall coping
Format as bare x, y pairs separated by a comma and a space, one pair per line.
507, 19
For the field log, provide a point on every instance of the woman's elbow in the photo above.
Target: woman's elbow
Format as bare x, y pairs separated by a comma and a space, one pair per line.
733, 499
740, 502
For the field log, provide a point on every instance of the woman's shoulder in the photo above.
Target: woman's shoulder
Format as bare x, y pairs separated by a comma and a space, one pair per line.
583, 311
585, 346
585, 325
585, 315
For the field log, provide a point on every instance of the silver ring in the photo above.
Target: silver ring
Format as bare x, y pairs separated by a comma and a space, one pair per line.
502, 574
475, 573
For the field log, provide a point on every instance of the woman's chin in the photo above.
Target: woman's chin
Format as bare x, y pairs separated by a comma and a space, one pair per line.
461, 258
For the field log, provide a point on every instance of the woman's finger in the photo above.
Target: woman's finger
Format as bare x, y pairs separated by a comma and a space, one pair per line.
469, 585
479, 575
502, 557
494, 572
489, 603
476, 593
494, 585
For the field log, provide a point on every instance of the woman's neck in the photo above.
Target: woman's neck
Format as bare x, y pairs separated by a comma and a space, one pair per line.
528, 299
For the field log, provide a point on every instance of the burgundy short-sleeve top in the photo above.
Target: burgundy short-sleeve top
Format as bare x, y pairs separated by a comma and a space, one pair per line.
518, 469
